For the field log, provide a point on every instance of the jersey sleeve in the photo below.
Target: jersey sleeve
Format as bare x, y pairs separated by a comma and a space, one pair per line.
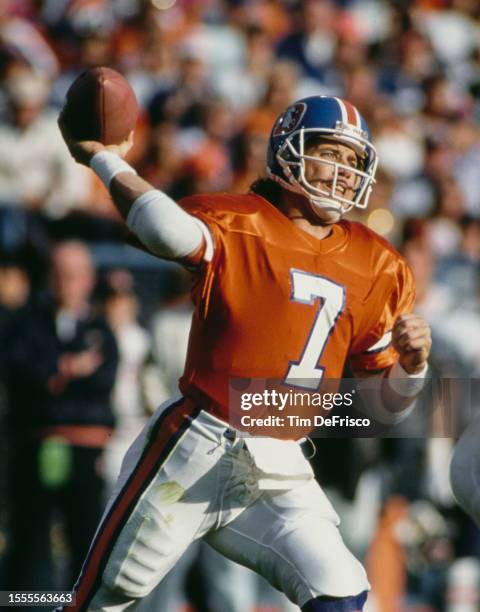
372, 349
222, 216
215, 216
224, 219
195, 207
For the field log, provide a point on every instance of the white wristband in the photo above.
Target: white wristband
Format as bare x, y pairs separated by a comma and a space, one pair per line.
106, 165
405, 384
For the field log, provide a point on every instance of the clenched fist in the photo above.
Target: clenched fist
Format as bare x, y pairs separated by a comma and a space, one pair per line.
412, 339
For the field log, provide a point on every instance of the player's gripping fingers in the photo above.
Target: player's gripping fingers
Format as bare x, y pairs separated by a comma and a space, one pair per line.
420, 343
83, 151
408, 321
413, 361
411, 338
414, 338
409, 327
123, 148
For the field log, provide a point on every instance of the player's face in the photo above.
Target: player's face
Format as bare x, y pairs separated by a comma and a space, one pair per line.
320, 172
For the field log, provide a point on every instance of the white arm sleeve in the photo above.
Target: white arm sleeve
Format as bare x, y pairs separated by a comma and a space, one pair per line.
165, 229
404, 384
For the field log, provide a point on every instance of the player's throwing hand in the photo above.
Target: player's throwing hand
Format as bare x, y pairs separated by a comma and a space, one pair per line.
412, 339
83, 151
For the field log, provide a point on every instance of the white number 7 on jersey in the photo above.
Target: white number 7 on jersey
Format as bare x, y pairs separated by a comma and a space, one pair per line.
307, 289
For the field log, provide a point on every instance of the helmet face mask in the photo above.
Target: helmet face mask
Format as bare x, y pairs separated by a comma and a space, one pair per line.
323, 118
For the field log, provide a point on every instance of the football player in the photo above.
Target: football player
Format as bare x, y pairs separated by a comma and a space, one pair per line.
286, 289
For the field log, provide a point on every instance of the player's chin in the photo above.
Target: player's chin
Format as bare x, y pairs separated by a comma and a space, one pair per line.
326, 213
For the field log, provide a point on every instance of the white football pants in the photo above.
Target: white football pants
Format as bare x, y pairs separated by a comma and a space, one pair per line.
185, 477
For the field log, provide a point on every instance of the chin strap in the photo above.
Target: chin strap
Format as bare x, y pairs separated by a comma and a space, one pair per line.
326, 213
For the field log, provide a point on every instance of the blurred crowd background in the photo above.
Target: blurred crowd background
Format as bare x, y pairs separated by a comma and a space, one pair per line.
93, 333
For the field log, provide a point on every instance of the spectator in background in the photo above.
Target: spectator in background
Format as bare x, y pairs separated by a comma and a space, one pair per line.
435, 301
39, 184
449, 209
83, 48
361, 87
207, 165
249, 162
459, 272
447, 294
156, 68
444, 103
14, 293
145, 22
402, 75
162, 163
312, 46
465, 140
281, 90
244, 86
270, 15
120, 307
182, 102
351, 52
36, 172
400, 145
61, 364
451, 29
25, 38
170, 326
14, 287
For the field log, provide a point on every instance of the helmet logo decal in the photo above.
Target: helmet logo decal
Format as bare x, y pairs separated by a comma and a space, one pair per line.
290, 119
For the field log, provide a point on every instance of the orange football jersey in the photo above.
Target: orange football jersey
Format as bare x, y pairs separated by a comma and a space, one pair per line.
275, 302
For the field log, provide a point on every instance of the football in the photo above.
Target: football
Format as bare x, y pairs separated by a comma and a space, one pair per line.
100, 105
